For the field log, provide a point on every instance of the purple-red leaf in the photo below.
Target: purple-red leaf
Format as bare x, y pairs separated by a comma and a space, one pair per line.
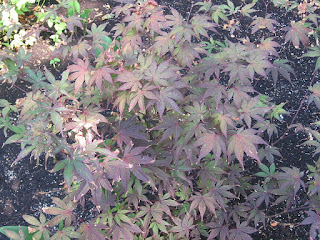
211, 142
245, 141
297, 33
80, 72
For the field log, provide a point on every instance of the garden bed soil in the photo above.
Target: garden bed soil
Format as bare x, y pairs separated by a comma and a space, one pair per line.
26, 187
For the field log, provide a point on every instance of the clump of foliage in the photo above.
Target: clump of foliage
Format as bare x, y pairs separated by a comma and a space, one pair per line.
22, 21
158, 123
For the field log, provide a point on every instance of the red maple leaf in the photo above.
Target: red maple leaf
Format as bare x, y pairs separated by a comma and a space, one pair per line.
297, 33
80, 72
211, 142
245, 141
261, 23
103, 73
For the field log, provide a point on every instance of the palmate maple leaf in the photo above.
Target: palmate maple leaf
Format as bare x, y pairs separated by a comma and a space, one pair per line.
281, 66
39, 227
242, 231
156, 20
261, 194
163, 44
250, 109
168, 97
182, 33
261, 23
63, 211
80, 72
258, 62
170, 126
130, 79
314, 52
126, 130
73, 21
162, 74
210, 67
124, 231
135, 21
202, 202
201, 24
133, 155
245, 141
314, 220
236, 71
139, 97
89, 119
183, 227
247, 9
175, 19
91, 231
121, 169
239, 93
97, 32
154, 212
218, 229
269, 45
133, 159
223, 120
131, 42
291, 177
315, 96
98, 75
186, 52
211, 142
80, 49
220, 192
197, 112
297, 33
214, 89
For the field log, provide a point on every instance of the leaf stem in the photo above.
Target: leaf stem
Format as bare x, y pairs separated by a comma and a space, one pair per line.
297, 111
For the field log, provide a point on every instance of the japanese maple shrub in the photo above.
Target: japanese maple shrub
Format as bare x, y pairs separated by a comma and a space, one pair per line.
158, 126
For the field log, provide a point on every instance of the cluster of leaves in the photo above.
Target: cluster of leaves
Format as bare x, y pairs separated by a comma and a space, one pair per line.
10, 11
22, 21
158, 130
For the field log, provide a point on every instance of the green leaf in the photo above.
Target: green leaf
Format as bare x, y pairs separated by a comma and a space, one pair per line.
85, 13
107, 41
277, 112
68, 174
262, 174
59, 165
264, 168
24, 153
83, 170
314, 52
17, 129
272, 168
50, 22
4, 103
56, 119
13, 139
16, 229
75, 5
60, 27
311, 168
61, 224
31, 220
219, 14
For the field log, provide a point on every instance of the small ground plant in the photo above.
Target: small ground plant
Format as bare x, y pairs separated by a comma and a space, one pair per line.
157, 123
